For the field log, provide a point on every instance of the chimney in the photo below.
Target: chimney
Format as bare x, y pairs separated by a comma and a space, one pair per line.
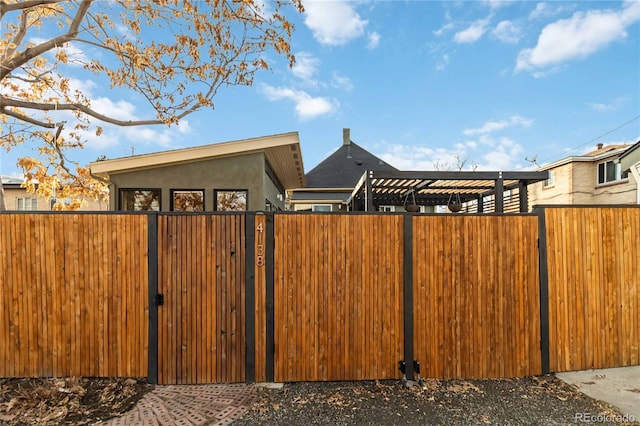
346, 136
599, 146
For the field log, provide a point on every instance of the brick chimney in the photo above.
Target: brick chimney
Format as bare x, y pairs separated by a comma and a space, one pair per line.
346, 136
599, 146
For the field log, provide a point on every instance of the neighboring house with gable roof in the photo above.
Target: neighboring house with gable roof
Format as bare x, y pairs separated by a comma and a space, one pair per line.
596, 177
330, 184
250, 174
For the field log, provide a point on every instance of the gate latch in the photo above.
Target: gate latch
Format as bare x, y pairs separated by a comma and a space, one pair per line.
159, 299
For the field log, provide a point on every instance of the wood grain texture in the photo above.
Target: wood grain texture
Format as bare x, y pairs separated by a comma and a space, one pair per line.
54, 286
594, 287
338, 279
476, 297
201, 274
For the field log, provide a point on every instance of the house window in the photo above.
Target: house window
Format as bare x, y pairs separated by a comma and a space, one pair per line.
386, 209
187, 200
231, 200
549, 182
140, 199
27, 203
610, 171
321, 208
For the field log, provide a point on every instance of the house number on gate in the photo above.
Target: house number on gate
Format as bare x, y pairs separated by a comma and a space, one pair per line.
260, 248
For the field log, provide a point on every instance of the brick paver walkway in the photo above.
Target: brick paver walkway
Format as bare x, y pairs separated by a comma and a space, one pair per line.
186, 405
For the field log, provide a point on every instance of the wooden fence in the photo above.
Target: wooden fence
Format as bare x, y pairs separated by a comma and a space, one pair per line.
201, 267
202, 298
73, 295
594, 287
338, 297
476, 300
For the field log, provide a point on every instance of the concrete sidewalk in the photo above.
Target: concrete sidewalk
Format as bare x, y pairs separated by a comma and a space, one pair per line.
187, 405
619, 387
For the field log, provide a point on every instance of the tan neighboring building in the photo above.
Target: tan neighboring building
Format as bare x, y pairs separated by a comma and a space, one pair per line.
17, 198
593, 178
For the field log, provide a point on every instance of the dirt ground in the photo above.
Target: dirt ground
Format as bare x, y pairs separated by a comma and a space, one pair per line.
70, 401
529, 401
542, 400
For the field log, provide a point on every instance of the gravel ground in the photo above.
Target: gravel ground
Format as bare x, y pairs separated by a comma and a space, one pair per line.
543, 400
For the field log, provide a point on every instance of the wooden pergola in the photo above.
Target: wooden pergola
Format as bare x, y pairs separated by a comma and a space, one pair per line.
435, 188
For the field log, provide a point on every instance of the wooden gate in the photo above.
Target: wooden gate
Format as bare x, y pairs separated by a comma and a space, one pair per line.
201, 276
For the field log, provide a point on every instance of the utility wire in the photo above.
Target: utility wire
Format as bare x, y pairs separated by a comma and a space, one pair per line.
592, 140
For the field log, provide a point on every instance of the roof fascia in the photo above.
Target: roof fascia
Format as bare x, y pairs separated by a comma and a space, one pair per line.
203, 152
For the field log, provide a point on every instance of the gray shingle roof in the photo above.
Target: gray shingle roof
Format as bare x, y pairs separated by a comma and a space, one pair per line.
344, 168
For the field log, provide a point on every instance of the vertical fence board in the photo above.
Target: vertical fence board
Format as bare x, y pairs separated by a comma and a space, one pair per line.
53, 290
471, 277
330, 313
593, 286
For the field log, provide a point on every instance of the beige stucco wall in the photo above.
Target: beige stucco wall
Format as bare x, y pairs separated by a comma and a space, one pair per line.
246, 172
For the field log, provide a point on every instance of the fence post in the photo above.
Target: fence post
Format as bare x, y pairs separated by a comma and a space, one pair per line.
408, 294
269, 282
544, 289
152, 276
250, 298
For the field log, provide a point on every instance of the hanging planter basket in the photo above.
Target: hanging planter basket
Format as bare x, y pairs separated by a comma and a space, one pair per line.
454, 207
455, 203
411, 207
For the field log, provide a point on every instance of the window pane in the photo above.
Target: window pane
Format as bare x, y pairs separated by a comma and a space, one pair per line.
188, 201
611, 171
601, 173
321, 208
140, 199
231, 201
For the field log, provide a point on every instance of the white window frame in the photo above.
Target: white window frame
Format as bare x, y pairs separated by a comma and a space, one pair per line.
26, 203
601, 177
550, 182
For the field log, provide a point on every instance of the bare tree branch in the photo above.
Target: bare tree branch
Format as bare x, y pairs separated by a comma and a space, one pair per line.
28, 119
12, 63
27, 4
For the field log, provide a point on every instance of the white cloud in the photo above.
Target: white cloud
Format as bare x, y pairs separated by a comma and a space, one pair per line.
507, 32
341, 82
445, 28
333, 23
493, 126
442, 63
545, 10
374, 40
578, 37
306, 106
306, 66
496, 4
505, 155
473, 33
611, 106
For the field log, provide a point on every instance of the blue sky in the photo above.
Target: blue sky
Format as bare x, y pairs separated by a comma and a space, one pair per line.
421, 82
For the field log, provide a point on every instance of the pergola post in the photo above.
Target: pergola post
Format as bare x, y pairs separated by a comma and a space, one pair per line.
523, 196
368, 195
499, 194
480, 204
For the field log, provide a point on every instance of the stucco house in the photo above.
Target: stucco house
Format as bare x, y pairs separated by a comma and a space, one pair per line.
16, 197
596, 177
249, 174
